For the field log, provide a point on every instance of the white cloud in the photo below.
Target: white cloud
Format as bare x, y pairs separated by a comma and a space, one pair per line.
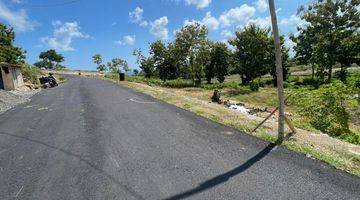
263, 22
227, 34
63, 35
126, 40
209, 21
190, 22
17, 1
17, 19
292, 21
237, 16
136, 17
198, 3
159, 28
262, 5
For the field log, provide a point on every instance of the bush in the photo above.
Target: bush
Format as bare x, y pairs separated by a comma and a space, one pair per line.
327, 109
315, 82
254, 86
177, 83
114, 76
31, 73
230, 85
354, 80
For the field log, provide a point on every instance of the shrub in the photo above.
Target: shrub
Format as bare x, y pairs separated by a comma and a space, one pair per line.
114, 76
177, 83
327, 108
354, 80
230, 85
254, 86
315, 82
31, 73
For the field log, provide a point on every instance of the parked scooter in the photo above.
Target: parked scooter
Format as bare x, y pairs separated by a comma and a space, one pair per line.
48, 81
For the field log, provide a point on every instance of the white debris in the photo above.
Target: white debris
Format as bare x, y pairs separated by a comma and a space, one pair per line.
240, 108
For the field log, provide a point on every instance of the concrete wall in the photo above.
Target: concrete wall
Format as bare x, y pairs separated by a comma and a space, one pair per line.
18, 78
7, 78
12, 78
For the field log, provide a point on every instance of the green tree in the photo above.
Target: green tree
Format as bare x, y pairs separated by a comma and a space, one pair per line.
303, 47
145, 64
97, 59
116, 64
190, 49
219, 61
199, 62
8, 52
333, 22
136, 72
252, 52
50, 59
160, 56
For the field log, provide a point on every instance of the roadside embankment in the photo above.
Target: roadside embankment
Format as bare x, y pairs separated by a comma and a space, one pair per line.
337, 153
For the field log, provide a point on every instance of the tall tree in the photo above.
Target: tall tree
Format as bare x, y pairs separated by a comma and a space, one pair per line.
160, 56
252, 51
219, 62
303, 47
8, 52
199, 61
190, 49
145, 64
333, 23
97, 59
116, 64
50, 59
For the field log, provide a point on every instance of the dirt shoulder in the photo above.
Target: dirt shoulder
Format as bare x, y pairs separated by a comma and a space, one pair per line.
9, 99
337, 153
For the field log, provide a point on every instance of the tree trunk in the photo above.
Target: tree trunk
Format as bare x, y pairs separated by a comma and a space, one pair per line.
312, 71
279, 71
329, 74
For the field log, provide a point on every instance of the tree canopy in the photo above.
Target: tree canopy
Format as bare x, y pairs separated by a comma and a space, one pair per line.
50, 60
330, 35
9, 53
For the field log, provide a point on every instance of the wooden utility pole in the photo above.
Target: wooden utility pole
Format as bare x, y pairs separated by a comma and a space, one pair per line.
279, 70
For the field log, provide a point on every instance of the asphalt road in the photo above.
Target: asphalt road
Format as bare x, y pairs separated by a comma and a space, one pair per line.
92, 139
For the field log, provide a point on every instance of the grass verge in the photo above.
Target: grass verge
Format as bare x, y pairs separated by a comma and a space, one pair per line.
339, 154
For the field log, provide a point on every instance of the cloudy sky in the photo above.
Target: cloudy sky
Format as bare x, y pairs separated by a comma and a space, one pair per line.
80, 28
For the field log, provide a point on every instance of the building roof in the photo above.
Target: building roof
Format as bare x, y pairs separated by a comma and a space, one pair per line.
3, 64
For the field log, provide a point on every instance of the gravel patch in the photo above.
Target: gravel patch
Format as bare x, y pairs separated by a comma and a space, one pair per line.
9, 99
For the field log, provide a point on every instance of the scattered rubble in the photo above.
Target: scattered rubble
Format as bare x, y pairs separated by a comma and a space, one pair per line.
9, 99
239, 107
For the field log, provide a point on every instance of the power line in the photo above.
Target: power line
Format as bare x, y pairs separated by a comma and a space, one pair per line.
52, 4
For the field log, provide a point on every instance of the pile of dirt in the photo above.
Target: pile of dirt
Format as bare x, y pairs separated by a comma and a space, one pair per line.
9, 99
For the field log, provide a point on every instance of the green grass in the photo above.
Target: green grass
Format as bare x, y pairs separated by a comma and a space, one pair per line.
31, 73
338, 160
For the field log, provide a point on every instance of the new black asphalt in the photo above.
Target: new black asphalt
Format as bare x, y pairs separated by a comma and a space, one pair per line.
93, 139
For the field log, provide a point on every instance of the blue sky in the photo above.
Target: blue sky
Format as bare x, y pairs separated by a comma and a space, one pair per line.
114, 28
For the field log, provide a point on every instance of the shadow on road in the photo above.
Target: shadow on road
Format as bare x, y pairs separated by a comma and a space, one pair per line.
124, 187
224, 177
